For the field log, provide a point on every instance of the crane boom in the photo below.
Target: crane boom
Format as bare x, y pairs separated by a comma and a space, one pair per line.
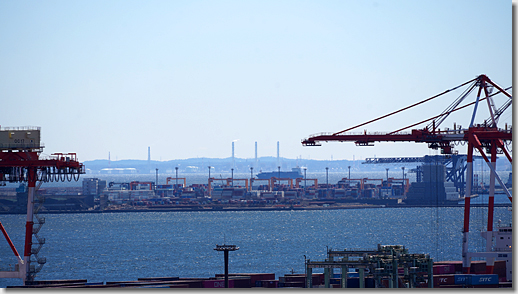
430, 134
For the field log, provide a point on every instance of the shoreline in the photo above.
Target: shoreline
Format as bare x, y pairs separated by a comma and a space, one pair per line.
229, 208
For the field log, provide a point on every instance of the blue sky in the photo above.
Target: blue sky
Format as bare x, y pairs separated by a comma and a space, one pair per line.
189, 77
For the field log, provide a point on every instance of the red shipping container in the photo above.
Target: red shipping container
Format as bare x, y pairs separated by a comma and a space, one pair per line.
478, 267
217, 283
253, 276
500, 269
293, 285
443, 269
457, 265
178, 286
193, 283
317, 279
241, 282
295, 278
320, 278
439, 280
270, 284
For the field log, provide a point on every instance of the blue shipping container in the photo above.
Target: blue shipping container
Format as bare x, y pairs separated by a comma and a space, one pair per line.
461, 279
349, 275
482, 279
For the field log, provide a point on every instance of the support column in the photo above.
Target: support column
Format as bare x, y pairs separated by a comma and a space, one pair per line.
466, 259
31, 174
344, 276
226, 268
331, 270
409, 278
490, 261
430, 273
309, 278
326, 278
361, 274
395, 276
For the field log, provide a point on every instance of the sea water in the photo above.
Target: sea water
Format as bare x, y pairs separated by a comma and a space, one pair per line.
126, 246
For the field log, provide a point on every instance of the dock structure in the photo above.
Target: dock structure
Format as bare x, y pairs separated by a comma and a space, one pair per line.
385, 263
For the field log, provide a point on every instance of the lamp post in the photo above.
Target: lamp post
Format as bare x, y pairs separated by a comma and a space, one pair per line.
349, 167
305, 271
226, 249
251, 177
156, 182
327, 181
403, 168
176, 187
209, 187
327, 176
305, 178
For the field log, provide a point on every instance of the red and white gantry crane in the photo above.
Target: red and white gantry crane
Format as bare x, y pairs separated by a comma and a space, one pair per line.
485, 137
20, 161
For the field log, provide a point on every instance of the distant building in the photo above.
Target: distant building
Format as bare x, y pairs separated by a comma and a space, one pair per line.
118, 170
433, 189
93, 186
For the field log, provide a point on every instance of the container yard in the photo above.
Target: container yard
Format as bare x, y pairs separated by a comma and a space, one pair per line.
439, 275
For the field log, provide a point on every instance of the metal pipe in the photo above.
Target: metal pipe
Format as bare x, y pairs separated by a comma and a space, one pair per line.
10, 243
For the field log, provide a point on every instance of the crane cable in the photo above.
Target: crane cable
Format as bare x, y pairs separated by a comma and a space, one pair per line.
432, 118
501, 110
452, 106
408, 107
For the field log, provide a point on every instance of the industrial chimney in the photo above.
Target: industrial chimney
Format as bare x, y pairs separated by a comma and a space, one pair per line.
278, 158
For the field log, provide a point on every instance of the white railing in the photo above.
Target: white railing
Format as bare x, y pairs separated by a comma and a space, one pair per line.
21, 146
25, 128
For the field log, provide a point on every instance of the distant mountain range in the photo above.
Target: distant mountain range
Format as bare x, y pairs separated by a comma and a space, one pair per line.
240, 165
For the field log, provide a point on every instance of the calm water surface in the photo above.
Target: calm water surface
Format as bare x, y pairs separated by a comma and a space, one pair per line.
127, 246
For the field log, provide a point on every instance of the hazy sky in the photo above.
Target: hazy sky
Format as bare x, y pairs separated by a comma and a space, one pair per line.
189, 77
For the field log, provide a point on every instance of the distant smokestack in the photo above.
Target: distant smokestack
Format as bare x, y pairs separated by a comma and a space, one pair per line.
256, 153
278, 157
148, 154
233, 161
109, 160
